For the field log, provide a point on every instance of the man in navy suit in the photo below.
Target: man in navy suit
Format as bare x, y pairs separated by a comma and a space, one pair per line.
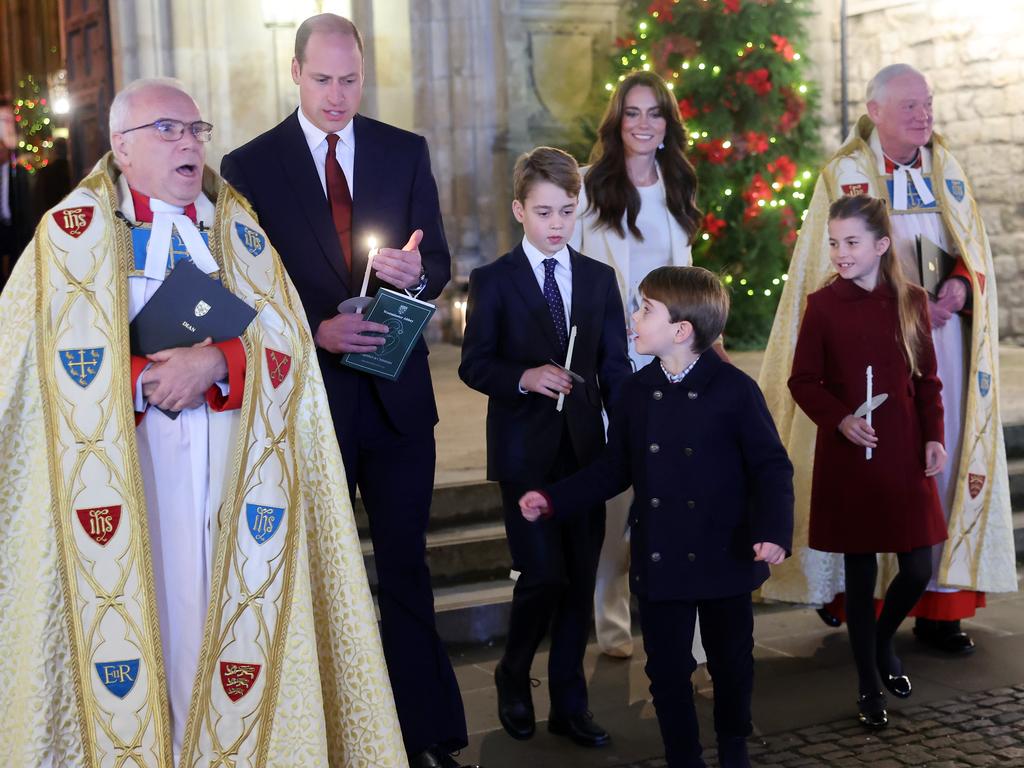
322, 183
521, 310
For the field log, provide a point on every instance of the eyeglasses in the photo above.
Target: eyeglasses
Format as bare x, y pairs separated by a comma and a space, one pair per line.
173, 130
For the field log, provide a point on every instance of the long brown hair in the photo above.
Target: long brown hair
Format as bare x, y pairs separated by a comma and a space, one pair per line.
609, 190
871, 211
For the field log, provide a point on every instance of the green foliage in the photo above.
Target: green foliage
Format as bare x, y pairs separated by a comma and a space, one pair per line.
34, 125
738, 70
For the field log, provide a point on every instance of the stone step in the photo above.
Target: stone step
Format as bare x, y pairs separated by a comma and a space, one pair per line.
453, 504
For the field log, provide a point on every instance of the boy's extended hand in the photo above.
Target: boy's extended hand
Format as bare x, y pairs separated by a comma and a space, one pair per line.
547, 380
533, 505
765, 551
858, 432
934, 458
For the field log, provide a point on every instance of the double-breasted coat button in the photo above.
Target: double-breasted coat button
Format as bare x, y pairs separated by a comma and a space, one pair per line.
654, 448
657, 394
692, 395
688, 451
655, 502
655, 557
691, 557
691, 503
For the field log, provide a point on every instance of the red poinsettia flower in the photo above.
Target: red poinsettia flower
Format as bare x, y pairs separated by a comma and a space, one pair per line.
713, 225
686, 109
783, 47
757, 143
793, 111
625, 42
714, 151
759, 80
730, 6
663, 8
759, 189
784, 169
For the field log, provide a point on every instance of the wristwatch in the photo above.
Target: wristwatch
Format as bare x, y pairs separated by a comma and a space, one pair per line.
417, 289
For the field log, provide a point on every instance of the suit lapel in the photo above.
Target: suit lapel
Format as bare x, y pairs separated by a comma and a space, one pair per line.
536, 305
581, 312
304, 180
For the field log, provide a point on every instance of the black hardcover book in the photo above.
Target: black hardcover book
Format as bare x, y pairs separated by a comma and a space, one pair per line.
934, 265
188, 308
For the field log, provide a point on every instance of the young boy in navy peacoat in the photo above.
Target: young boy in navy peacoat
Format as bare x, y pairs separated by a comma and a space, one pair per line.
713, 506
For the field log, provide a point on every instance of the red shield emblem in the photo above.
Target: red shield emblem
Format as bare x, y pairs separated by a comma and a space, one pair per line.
238, 678
981, 280
278, 365
74, 221
100, 523
855, 189
974, 484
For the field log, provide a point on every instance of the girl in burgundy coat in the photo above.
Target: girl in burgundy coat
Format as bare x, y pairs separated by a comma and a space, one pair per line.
870, 315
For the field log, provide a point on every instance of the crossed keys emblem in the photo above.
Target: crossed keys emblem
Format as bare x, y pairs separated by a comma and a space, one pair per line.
278, 365
82, 364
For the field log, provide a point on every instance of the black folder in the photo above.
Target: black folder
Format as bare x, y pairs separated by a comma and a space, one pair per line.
934, 265
185, 310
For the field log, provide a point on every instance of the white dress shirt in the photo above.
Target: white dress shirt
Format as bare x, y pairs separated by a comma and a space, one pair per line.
345, 152
563, 273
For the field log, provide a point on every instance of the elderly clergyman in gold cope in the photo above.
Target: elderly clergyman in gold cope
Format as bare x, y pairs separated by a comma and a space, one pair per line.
176, 591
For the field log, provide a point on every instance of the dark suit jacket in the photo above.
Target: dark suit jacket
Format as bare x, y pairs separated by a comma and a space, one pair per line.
394, 194
710, 476
508, 330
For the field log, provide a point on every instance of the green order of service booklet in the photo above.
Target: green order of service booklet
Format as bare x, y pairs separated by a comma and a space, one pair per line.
406, 318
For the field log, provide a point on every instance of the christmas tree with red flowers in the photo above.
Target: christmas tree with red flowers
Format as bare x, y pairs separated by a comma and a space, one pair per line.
737, 71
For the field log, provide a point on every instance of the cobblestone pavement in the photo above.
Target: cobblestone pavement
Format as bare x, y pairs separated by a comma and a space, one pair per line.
978, 729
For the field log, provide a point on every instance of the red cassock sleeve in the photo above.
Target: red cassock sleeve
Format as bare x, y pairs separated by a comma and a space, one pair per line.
960, 270
234, 354
139, 364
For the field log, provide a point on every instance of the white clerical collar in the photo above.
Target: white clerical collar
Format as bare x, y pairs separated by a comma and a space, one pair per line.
166, 218
905, 175
536, 257
315, 137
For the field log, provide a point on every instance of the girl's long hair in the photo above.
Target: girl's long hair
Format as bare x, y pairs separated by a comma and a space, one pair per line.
871, 211
609, 190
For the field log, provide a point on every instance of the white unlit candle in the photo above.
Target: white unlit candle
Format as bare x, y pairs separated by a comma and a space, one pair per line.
568, 364
870, 382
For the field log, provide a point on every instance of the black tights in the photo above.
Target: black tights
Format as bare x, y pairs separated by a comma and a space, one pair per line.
871, 640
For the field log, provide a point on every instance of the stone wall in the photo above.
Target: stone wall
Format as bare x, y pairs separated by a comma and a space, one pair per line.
972, 54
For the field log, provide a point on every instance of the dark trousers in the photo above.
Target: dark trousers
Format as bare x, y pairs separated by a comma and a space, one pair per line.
727, 631
395, 475
557, 561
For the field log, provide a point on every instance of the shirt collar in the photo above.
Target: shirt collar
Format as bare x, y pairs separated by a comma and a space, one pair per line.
675, 378
536, 257
315, 137
144, 214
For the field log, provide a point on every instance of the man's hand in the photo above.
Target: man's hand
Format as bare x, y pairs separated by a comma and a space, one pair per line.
533, 505
179, 378
952, 299
344, 333
548, 380
858, 432
934, 458
769, 553
400, 268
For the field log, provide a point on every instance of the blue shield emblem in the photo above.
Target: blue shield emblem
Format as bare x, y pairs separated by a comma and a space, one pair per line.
984, 383
914, 201
82, 365
177, 251
253, 241
956, 189
263, 521
118, 677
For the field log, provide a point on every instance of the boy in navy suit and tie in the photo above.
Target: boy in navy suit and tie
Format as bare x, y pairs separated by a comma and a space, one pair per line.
522, 309
713, 506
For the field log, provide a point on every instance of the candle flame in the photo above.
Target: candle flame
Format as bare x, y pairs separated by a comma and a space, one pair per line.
372, 242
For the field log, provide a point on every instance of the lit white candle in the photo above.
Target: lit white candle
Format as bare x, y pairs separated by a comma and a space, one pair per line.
568, 364
870, 382
372, 241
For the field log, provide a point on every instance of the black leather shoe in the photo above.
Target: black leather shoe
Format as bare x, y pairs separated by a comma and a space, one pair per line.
871, 711
581, 728
515, 705
830, 619
945, 636
436, 757
898, 685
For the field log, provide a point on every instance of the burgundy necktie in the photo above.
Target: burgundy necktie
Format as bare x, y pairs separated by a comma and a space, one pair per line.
340, 199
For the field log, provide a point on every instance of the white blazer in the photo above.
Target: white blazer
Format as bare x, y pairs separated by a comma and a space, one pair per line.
605, 245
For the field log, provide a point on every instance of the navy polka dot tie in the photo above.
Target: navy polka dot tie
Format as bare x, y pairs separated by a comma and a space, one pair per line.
555, 305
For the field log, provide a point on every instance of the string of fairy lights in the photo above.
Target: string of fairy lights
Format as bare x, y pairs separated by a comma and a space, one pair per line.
776, 195
34, 124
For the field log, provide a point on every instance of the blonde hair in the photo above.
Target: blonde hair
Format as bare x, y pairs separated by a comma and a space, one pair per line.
871, 211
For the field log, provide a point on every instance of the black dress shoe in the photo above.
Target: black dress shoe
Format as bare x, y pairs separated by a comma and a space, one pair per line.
581, 728
945, 636
830, 619
515, 705
436, 757
871, 710
898, 685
